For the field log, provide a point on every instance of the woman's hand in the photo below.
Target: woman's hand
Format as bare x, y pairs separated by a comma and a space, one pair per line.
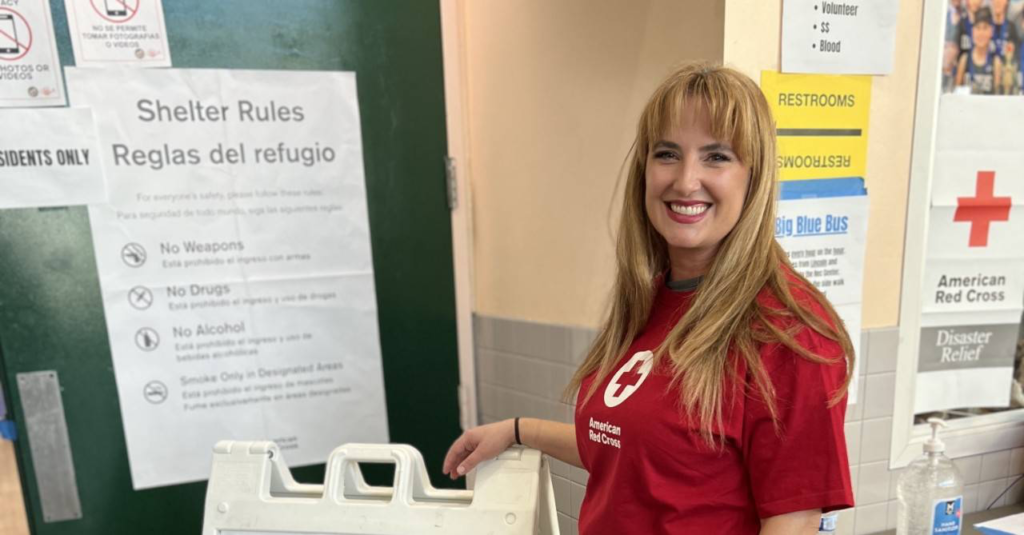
477, 445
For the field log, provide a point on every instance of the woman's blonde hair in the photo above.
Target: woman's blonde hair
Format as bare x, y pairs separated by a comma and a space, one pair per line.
725, 317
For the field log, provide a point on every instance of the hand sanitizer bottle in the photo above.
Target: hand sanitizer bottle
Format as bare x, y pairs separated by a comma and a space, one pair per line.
930, 492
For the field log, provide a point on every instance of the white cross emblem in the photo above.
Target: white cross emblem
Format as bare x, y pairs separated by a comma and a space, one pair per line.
635, 371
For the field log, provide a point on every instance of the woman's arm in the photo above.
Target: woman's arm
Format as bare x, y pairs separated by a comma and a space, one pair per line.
798, 523
488, 441
553, 438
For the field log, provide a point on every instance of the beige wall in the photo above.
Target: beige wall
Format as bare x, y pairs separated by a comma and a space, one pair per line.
752, 48
553, 90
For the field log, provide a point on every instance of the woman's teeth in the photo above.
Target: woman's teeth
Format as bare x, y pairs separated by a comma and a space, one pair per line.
693, 209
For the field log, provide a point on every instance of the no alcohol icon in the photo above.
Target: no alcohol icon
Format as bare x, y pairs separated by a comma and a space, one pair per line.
155, 392
147, 339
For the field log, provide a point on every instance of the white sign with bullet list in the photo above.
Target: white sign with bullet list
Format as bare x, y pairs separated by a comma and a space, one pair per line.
234, 260
838, 37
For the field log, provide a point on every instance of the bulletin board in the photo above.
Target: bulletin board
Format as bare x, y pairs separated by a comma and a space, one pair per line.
51, 315
959, 353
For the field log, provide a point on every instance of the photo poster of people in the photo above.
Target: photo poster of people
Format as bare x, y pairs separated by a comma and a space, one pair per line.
983, 52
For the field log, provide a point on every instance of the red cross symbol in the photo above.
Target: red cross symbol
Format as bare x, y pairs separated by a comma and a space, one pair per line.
982, 209
629, 378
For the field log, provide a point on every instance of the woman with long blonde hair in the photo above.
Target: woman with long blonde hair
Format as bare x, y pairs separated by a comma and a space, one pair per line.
713, 398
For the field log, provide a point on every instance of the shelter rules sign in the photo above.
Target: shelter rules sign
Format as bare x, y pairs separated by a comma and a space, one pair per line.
234, 258
974, 275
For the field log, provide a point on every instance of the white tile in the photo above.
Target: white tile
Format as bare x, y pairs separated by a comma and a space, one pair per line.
565, 523
874, 440
862, 357
873, 483
565, 413
578, 475
577, 492
538, 340
893, 514
995, 465
561, 376
852, 432
505, 369
539, 380
970, 499
882, 350
879, 394
845, 522
563, 499
854, 480
1016, 461
1016, 494
855, 412
486, 366
559, 468
990, 491
894, 480
552, 380
580, 340
871, 518
537, 407
483, 331
522, 373
503, 399
970, 468
523, 405
485, 398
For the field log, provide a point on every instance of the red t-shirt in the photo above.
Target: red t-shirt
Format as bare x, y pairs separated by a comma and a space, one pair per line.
651, 471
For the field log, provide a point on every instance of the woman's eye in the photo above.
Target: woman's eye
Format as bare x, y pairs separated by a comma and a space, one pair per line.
664, 155
719, 157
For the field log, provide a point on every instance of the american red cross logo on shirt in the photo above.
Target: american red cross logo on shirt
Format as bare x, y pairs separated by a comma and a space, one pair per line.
982, 209
628, 379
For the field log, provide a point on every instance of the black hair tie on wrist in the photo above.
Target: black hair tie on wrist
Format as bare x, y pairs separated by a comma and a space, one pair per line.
518, 442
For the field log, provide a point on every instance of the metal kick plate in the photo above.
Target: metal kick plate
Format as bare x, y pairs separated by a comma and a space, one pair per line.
49, 445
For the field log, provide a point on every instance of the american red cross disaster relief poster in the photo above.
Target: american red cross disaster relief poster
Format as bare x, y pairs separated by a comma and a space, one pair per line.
974, 267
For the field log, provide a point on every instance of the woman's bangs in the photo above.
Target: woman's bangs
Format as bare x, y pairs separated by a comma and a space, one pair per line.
729, 115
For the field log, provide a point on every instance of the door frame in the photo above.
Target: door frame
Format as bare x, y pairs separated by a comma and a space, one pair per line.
457, 119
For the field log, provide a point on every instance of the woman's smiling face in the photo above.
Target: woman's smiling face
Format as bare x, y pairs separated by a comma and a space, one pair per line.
695, 186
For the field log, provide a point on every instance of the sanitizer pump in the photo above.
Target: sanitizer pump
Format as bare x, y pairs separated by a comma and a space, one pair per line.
930, 492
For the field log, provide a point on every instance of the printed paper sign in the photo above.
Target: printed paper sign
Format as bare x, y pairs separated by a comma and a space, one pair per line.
825, 240
822, 124
842, 37
234, 259
49, 158
965, 366
30, 72
118, 32
960, 285
973, 285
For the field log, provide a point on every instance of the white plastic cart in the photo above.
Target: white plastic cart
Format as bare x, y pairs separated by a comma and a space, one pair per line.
252, 492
